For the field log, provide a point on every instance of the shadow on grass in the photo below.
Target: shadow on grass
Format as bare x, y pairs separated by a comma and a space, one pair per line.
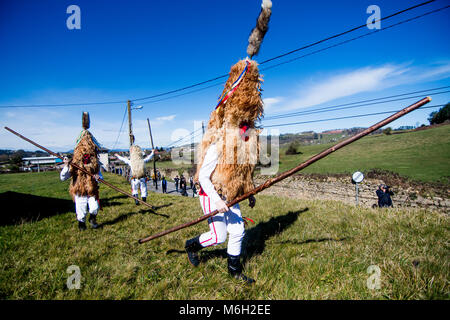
126, 216
254, 241
27, 207
255, 238
311, 240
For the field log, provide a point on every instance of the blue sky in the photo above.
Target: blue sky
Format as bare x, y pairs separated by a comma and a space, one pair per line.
133, 49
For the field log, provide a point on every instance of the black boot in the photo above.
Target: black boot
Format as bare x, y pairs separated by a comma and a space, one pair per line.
144, 199
193, 246
137, 202
235, 269
93, 221
81, 225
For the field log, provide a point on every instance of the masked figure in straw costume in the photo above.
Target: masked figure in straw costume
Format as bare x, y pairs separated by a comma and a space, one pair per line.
84, 188
137, 164
228, 155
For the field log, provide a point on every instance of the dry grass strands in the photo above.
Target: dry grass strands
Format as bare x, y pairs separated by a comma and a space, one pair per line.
137, 162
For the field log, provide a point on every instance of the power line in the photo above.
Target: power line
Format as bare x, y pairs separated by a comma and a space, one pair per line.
305, 122
183, 94
292, 51
345, 32
265, 61
347, 117
354, 39
183, 138
356, 104
120, 130
303, 56
64, 104
192, 138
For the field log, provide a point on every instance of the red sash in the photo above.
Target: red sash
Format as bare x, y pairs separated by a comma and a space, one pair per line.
202, 193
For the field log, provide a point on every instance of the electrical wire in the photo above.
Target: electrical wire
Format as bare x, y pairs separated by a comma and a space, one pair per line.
120, 130
334, 108
264, 62
347, 117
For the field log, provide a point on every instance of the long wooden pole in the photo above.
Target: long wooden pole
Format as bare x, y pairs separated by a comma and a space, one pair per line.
154, 158
130, 130
301, 166
80, 168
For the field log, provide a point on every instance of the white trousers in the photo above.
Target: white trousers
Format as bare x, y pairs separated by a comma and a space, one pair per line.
222, 223
139, 183
81, 204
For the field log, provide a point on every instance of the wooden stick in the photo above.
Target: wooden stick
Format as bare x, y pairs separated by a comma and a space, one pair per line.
301, 166
80, 168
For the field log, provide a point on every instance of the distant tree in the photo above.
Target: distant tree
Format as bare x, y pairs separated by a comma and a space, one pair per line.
431, 116
387, 131
17, 156
440, 116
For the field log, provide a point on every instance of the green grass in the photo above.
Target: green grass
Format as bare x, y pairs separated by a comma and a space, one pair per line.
296, 250
420, 155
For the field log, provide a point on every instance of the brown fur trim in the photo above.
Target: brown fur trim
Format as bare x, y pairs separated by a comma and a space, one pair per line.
233, 175
257, 35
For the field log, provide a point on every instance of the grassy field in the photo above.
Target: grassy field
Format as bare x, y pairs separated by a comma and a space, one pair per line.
295, 250
420, 155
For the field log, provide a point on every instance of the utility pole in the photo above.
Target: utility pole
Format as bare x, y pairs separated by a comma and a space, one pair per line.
130, 131
154, 158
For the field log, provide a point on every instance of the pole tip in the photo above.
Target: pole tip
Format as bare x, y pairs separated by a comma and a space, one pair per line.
429, 98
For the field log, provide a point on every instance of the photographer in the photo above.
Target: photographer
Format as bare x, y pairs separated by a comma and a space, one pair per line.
384, 196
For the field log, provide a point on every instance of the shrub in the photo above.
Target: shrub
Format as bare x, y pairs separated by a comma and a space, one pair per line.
292, 149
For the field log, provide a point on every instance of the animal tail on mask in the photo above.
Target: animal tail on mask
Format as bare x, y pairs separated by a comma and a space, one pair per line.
259, 31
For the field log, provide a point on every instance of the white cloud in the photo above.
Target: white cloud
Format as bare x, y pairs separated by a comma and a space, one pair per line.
269, 103
166, 118
360, 81
343, 85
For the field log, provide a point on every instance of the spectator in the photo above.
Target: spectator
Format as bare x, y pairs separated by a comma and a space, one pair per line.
191, 182
182, 183
154, 178
183, 186
177, 180
384, 196
164, 184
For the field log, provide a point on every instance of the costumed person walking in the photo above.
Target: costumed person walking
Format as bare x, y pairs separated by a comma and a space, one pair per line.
137, 165
84, 188
228, 155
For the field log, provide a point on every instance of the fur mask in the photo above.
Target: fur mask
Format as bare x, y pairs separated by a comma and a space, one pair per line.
232, 128
137, 162
85, 155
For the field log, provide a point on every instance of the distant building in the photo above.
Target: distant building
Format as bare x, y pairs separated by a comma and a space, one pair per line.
35, 162
41, 160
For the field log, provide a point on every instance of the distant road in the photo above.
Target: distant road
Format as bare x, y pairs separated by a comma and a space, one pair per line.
170, 188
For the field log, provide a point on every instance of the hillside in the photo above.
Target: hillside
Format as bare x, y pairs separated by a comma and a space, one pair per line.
420, 155
296, 249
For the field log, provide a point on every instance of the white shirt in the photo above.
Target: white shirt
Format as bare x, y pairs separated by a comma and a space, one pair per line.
128, 162
204, 175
